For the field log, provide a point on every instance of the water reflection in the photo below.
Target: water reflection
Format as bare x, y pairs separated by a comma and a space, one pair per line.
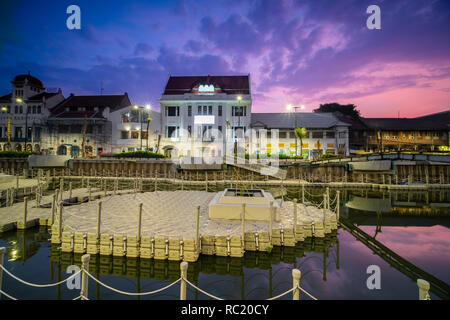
332, 268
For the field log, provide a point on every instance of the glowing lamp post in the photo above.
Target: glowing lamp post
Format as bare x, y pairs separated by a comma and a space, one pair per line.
289, 107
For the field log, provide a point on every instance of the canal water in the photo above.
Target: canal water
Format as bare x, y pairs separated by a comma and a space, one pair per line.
411, 225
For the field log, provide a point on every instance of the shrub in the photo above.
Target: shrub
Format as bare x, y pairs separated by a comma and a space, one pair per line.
329, 155
138, 154
16, 154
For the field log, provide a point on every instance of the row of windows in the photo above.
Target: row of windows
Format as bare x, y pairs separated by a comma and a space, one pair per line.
173, 132
134, 116
133, 134
312, 134
413, 135
82, 109
237, 111
20, 109
19, 132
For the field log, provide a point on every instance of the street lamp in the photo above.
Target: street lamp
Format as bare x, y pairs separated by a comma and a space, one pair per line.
239, 98
20, 100
289, 107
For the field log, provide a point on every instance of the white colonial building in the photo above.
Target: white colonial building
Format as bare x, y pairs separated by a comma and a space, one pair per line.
198, 113
26, 109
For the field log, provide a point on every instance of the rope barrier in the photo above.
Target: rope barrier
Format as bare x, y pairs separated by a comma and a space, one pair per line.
282, 294
130, 293
307, 293
38, 285
202, 291
7, 295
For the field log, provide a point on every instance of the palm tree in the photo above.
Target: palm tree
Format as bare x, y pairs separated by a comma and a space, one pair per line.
300, 133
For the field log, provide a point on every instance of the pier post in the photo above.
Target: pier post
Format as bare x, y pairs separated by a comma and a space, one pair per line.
424, 287
295, 214
60, 221
183, 269
84, 277
296, 274
197, 227
303, 193
139, 231
270, 221
328, 198
25, 213
53, 209
338, 204
2, 259
243, 225
99, 218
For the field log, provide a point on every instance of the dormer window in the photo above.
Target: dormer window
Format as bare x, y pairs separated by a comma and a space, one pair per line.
206, 88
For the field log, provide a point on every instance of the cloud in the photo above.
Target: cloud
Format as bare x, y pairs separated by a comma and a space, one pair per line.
142, 49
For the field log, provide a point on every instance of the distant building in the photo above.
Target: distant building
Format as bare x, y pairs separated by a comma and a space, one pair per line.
324, 133
28, 107
427, 133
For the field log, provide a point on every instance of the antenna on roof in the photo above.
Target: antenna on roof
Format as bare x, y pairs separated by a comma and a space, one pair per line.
101, 88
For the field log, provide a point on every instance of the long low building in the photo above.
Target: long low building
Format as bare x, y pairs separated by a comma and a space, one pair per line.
324, 133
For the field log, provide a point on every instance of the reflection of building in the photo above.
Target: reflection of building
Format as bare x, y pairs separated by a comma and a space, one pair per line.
27, 105
325, 133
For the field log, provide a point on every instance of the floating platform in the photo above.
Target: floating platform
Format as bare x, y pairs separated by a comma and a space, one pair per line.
259, 204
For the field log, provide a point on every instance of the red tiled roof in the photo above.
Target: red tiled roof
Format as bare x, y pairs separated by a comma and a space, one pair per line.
227, 84
114, 102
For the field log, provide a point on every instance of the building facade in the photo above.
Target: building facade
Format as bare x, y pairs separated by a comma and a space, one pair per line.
325, 134
24, 114
84, 121
199, 112
135, 128
427, 133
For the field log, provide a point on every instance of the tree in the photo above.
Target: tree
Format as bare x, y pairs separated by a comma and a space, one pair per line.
347, 109
300, 133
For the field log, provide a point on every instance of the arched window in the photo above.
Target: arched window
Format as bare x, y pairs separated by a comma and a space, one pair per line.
62, 150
